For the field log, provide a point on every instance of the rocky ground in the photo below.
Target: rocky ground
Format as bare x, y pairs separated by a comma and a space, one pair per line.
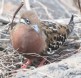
65, 64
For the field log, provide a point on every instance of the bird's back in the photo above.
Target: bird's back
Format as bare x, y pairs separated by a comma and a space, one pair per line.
56, 33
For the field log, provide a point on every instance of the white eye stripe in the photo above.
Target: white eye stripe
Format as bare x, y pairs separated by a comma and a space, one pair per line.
25, 21
22, 21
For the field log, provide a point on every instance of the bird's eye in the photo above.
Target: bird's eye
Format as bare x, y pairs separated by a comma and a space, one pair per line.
27, 21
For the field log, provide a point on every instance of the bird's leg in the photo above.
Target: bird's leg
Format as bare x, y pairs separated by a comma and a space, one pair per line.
26, 64
42, 62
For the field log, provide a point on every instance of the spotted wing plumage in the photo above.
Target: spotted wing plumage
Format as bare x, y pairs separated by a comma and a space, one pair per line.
57, 34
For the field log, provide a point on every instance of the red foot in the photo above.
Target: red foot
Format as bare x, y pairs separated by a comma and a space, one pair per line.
42, 63
25, 65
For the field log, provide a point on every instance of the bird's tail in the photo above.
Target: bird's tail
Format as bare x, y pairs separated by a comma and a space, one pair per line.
71, 24
71, 20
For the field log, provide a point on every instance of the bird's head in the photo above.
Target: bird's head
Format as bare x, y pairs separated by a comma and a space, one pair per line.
30, 18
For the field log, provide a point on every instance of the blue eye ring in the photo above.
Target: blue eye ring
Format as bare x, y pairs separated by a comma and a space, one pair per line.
27, 21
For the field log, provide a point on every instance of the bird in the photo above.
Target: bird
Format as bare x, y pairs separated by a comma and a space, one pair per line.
27, 36
31, 35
